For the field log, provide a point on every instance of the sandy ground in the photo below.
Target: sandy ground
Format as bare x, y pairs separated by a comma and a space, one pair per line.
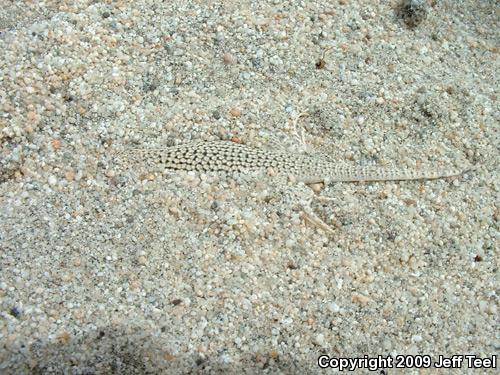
107, 270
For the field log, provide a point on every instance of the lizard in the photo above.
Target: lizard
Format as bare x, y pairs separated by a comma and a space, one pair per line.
231, 157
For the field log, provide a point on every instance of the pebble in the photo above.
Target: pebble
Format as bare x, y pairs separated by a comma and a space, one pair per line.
333, 307
319, 339
483, 305
142, 260
228, 59
235, 112
359, 298
52, 180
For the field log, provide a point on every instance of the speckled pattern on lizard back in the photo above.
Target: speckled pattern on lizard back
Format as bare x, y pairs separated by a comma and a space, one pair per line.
225, 156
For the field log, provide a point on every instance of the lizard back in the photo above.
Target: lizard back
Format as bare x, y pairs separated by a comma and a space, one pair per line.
225, 156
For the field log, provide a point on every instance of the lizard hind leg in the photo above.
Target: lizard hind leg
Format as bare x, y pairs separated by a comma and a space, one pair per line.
299, 135
307, 213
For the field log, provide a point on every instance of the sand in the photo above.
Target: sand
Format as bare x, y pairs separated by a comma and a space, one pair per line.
111, 270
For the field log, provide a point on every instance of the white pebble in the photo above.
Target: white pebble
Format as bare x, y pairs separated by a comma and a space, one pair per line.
52, 180
319, 339
333, 307
416, 338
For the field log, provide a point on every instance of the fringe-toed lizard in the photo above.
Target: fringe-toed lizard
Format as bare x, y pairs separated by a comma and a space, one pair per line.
230, 157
